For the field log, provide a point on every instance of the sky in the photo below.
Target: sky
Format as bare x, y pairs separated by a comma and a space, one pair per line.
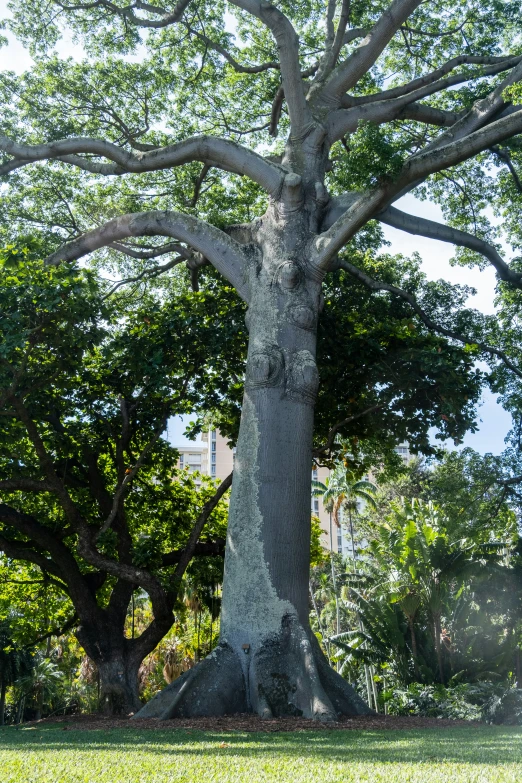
494, 421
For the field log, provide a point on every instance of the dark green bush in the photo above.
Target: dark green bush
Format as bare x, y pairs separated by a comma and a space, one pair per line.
490, 702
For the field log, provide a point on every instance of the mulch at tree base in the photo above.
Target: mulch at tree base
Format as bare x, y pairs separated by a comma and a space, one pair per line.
249, 723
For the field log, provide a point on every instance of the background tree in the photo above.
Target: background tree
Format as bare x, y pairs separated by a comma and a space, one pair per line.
183, 125
91, 495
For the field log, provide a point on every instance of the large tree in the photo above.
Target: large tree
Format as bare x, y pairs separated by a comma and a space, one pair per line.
91, 498
322, 109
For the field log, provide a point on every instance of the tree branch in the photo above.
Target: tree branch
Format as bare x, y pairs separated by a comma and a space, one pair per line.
59, 631
127, 12
376, 285
220, 153
130, 473
25, 485
147, 273
202, 549
335, 429
416, 169
505, 157
421, 112
382, 110
206, 511
348, 73
413, 224
498, 64
237, 66
224, 253
47, 466
288, 48
16, 550
433, 230
135, 251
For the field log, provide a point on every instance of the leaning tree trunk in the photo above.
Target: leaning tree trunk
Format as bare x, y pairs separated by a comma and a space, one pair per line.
268, 661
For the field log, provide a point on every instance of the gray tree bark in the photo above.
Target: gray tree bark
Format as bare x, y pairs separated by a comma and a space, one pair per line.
268, 660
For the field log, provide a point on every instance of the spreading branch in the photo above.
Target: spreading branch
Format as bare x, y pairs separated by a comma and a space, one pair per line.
202, 549
497, 65
127, 13
430, 229
288, 49
224, 253
129, 475
433, 230
384, 110
206, 511
220, 153
57, 631
147, 274
25, 484
416, 169
340, 424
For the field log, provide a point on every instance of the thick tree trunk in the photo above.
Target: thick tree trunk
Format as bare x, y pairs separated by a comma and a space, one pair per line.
268, 661
118, 686
117, 664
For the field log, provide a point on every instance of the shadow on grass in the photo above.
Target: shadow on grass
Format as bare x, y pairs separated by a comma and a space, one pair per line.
487, 745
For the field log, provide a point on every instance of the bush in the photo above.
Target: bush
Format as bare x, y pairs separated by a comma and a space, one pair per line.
484, 701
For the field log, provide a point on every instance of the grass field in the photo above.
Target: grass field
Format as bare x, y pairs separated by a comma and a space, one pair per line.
459, 755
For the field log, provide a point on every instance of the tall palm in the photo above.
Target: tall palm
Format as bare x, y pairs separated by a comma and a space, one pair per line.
340, 493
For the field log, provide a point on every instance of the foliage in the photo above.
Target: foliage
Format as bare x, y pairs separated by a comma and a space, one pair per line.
85, 395
491, 702
436, 595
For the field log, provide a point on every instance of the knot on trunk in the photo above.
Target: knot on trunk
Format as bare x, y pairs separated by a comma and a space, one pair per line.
265, 368
302, 378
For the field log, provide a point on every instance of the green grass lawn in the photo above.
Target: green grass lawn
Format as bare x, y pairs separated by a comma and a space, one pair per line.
51, 755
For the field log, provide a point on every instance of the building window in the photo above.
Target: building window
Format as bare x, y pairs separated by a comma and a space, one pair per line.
194, 462
316, 506
213, 436
213, 459
314, 474
213, 445
401, 449
213, 471
181, 460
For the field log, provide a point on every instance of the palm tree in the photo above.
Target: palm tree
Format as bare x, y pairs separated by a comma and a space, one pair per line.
339, 493
425, 567
42, 682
